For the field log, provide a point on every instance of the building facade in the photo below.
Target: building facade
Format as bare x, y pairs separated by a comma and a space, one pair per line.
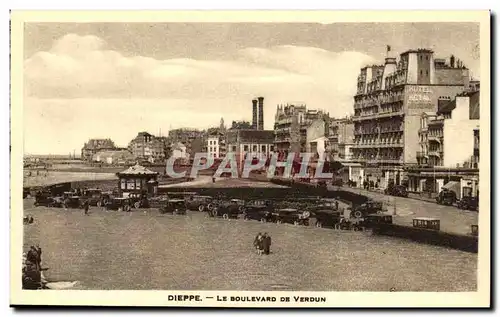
388, 105
341, 139
114, 157
145, 146
317, 138
450, 147
253, 143
291, 124
94, 146
193, 139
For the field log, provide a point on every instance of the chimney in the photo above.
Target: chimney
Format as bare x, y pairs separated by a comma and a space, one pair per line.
260, 125
254, 114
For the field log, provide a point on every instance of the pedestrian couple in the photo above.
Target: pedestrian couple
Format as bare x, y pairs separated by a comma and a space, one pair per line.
262, 243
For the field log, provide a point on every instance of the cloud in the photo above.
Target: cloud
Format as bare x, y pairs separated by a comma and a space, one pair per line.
84, 85
81, 67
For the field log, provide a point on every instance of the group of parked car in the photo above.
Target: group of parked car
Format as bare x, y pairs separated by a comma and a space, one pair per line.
445, 197
94, 197
297, 211
326, 212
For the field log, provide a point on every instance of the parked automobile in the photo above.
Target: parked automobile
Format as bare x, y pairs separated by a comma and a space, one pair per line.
160, 201
396, 190
46, 199
225, 210
327, 217
174, 206
72, 201
468, 203
368, 208
289, 215
95, 196
446, 197
375, 219
199, 202
139, 200
261, 210
119, 203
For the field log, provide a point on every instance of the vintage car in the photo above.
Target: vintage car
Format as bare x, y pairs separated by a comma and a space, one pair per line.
95, 196
72, 201
446, 197
468, 203
45, 199
263, 213
198, 202
139, 200
119, 203
290, 215
160, 201
325, 204
173, 206
326, 217
375, 219
396, 190
368, 208
225, 210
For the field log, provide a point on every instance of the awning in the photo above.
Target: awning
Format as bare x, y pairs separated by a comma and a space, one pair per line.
453, 186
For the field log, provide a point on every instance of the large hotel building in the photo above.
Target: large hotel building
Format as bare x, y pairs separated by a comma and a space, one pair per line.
388, 105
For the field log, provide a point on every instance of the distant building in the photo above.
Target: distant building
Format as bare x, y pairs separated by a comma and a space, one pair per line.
179, 151
253, 143
341, 139
193, 139
317, 138
449, 146
387, 106
96, 145
114, 157
290, 126
145, 146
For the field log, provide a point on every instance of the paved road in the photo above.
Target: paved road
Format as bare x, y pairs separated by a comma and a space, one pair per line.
453, 220
116, 250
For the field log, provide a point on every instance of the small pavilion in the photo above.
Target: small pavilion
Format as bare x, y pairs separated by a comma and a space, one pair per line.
137, 179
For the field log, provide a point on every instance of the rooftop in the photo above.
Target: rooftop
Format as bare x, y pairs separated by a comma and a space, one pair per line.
137, 170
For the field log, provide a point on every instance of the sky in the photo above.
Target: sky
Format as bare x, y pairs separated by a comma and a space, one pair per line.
113, 80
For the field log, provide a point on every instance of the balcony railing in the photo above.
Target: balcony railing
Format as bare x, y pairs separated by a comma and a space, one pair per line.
437, 153
434, 138
378, 159
378, 115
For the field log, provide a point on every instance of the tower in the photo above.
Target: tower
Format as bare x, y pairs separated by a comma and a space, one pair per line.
260, 125
254, 114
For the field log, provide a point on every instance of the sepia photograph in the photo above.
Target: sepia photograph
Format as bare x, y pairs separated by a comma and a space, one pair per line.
250, 159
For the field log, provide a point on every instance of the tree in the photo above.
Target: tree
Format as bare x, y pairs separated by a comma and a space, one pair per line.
240, 125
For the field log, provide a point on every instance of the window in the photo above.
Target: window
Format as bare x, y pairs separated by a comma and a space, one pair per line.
427, 58
234, 148
421, 72
255, 148
427, 73
263, 148
245, 148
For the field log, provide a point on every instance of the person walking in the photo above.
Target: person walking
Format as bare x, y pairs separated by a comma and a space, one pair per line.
266, 241
86, 207
258, 243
